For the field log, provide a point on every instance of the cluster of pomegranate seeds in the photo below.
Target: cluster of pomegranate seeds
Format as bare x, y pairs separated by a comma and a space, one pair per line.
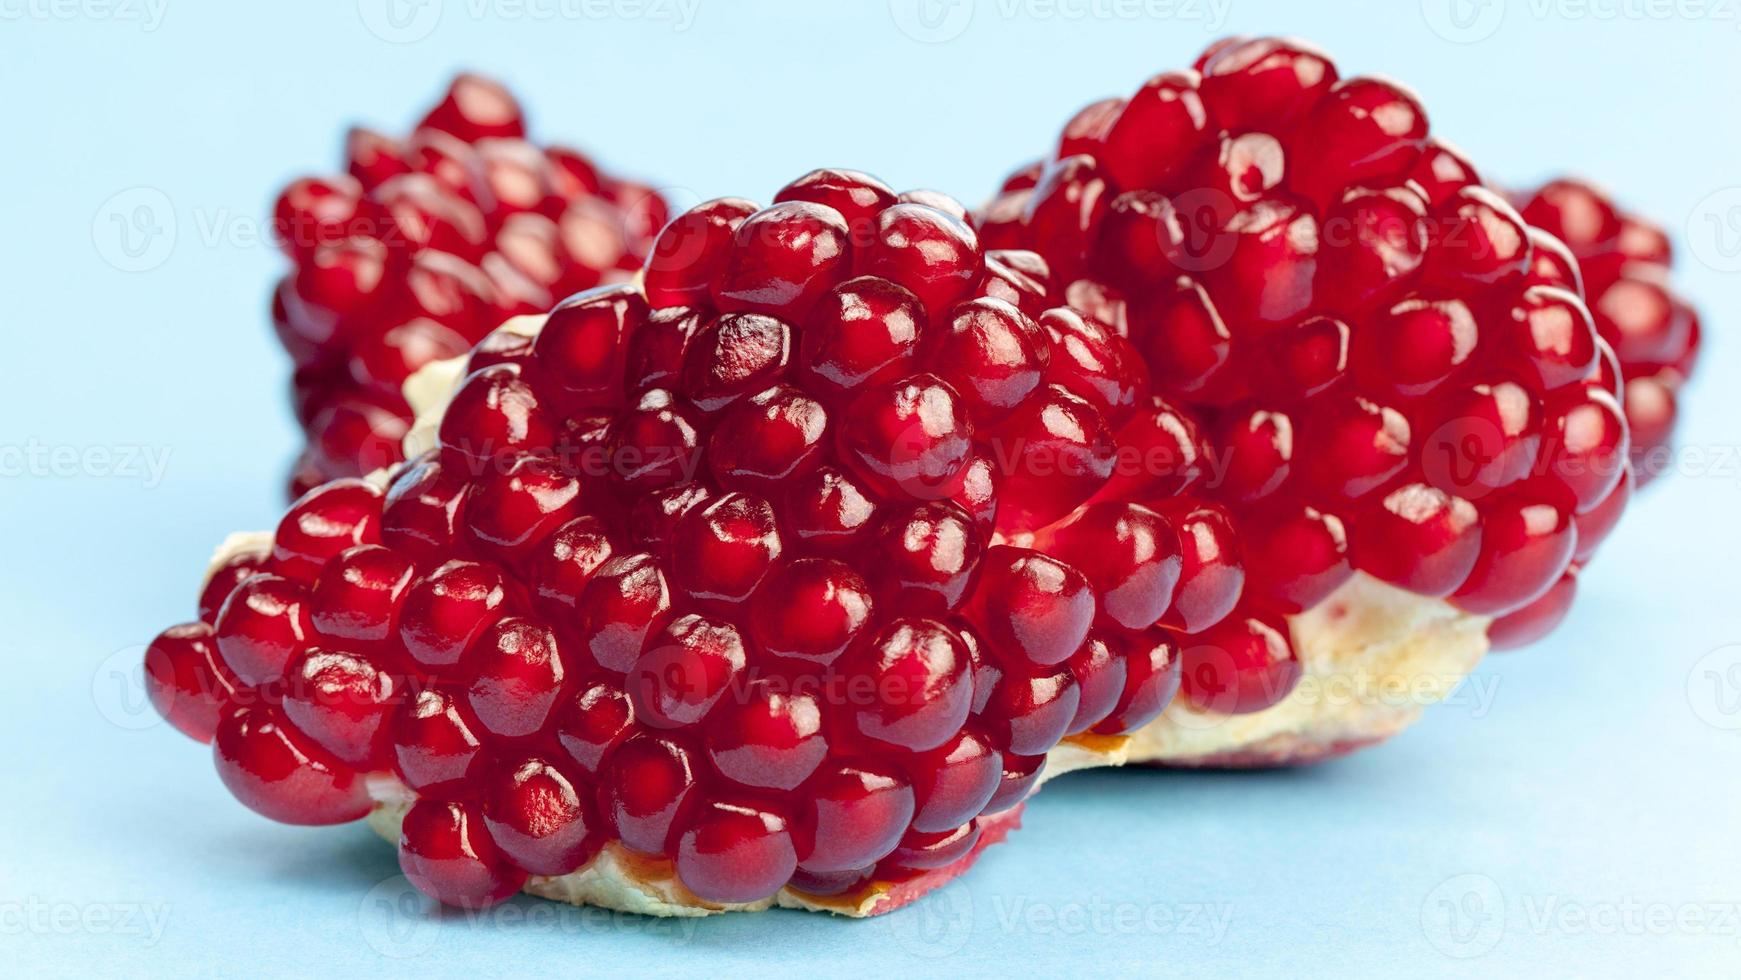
421, 248
1362, 358
789, 568
1653, 331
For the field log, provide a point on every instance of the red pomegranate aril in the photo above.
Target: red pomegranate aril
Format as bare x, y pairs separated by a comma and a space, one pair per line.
276, 772
566, 562
729, 544
1156, 133
322, 523
187, 682
1587, 444
1066, 211
477, 108
909, 438
518, 677
1263, 82
262, 625
811, 609
1536, 620
1051, 456
519, 502
1420, 538
1477, 240
735, 852
1271, 248
1374, 242
655, 351
436, 746
627, 599
1258, 453
692, 251
1487, 439
853, 814
1094, 364
1031, 607
925, 557
737, 354
915, 672
1354, 448
582, 343
446, 611
1020, 775
1100, 671
953, 782
1525, 547
1442, 170
541, 819
1129, 553
1413, 347
934, 255
783, 258
1553, 334
1364, 131
862, 332
685, 670
1085, 130
858, 197
643, 785
1151, 680
373, 157
1309, 358
767, 735
826, 511
768, 439
495, 412
1212, 567
1143, 244
223, 579
928, 852
342, 701
421, 513
1595, 524
1031, 708
445, 850
1161, 452
1296, 556
991, 354
1240, 665
357, 596
593, 722
654, 444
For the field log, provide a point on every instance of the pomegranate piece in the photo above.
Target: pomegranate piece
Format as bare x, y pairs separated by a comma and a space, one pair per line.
426, 245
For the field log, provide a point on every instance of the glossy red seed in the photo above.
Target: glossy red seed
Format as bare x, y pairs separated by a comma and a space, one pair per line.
825, 510
1296, 556
518, 677
645, 782
1129, 553
1020, 775
685, 670
735, 852
692, 250
566, 562
223, 579
1264, 82
1420, 538
1032, 607
783, 258
1212, 567
1585, 444
1155, 133
1413, 347
909, 438
323, 522
926, 852
421, 512
445, 850
766, 440
1100, 670
494, 413
627, 600
862, 332
1151, 681
1354, 448
654, 444
852, 816
811, 609
1031, 708
1051, 456
1238, 666
1536, 620
925, 557
991, 354
857, 197
767, 735
1595, 524
446, 611
730, 544
1093, 363
1525, 547
581, 347
343, 702
913, 684
436, 744
1362, 132
934, 255
592, 722
278, 773
540, 818
262, 625
186, 681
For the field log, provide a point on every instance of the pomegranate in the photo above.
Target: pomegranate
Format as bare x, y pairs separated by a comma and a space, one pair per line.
422, 247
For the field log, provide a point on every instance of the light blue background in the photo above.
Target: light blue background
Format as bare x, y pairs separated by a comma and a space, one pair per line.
1596, 772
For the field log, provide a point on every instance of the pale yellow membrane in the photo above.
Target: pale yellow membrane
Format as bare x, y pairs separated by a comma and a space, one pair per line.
1375, 656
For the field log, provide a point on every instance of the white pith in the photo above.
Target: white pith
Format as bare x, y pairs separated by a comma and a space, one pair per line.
1374, 656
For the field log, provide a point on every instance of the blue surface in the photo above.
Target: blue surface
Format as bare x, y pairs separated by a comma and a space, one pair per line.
1579, 818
